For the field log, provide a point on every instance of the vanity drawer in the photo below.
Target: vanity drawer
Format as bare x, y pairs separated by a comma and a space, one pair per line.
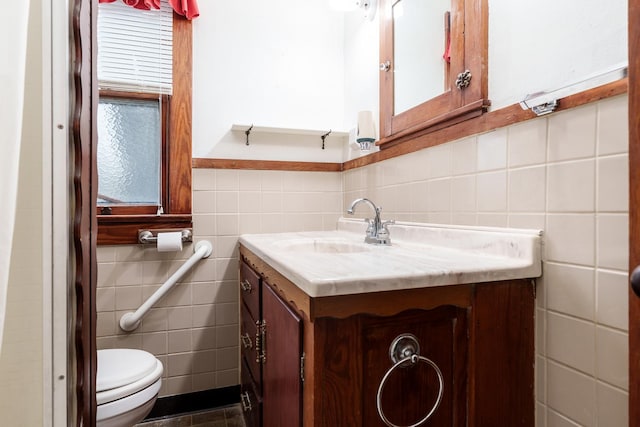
250, 399
248, 346
250, 290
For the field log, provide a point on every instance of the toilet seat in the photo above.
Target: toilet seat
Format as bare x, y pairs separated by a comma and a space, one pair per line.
127, 385
123, 372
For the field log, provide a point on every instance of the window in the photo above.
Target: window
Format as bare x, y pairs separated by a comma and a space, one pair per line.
144, 121
130, 160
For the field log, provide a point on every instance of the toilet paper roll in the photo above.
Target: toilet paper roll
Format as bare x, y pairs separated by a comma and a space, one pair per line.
170, 242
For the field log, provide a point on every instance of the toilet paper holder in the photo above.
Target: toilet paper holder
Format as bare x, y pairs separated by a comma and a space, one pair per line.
151, 236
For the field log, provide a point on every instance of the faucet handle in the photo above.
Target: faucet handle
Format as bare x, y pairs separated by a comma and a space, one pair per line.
371, 235
388, 222
370, 226
383, 236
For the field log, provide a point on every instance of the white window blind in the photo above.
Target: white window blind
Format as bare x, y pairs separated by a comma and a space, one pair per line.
135, 48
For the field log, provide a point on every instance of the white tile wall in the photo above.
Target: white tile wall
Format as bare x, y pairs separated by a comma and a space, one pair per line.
492, 150
572, 134
570, 394
528, 143
24, 386
193, 330
571, 289
571, 186
566, 174
571, 341
527, 189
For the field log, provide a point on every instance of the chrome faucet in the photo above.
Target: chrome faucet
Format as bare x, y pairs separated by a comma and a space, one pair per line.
377, 232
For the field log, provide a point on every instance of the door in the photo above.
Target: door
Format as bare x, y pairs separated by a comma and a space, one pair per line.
281, 369
83, 195
634, 210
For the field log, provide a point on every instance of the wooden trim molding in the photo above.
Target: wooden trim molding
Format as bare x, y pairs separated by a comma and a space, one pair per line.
177, 148
84, 102
446, 120
203, 163
487, 122
123, 229
423, 138
634, 209
180, 134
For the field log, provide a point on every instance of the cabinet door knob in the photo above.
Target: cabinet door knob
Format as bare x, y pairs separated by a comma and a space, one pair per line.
246, 285
463, 80
385, 66
635, 280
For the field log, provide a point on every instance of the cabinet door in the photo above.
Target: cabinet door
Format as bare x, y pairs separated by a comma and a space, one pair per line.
410, 392
281, 381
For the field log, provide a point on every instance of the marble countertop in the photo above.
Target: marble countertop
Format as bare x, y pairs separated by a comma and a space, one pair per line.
328, 263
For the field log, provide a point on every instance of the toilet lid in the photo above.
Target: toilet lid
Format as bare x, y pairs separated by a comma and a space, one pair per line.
120, 367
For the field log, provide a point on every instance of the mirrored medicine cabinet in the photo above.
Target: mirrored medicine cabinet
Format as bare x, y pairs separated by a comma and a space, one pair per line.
433, 70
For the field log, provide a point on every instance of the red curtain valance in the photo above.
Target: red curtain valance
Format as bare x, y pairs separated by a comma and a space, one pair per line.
186, 8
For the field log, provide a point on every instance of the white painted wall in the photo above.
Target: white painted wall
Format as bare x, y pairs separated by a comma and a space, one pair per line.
277, 63
295, 63
361, 59
548, 44
23, 396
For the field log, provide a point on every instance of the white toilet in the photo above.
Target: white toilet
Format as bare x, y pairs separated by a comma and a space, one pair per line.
127, 386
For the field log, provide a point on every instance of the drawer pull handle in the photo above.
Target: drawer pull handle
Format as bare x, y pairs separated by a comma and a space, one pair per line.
246, 286
246, 401
246, 340
261, 333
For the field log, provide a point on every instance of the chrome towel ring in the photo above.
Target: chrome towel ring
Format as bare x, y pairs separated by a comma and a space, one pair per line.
404, 352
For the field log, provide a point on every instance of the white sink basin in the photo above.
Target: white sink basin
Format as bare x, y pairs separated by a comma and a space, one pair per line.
329, 263
326, 245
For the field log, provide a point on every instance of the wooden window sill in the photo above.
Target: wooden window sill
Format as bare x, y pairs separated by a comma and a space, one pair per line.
123, 229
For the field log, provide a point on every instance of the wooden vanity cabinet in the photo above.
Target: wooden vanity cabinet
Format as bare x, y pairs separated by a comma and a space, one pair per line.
250, 366
479, 335
353, 357
271, 355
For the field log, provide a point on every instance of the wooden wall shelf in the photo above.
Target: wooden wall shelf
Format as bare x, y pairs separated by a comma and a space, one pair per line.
321, 134
288, 131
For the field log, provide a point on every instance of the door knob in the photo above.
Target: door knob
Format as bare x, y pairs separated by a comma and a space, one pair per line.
635, 280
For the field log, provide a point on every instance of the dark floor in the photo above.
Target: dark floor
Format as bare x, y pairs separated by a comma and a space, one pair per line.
229, 416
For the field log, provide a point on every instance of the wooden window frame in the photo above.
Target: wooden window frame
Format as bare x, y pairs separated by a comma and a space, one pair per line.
165, 117
121, 226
